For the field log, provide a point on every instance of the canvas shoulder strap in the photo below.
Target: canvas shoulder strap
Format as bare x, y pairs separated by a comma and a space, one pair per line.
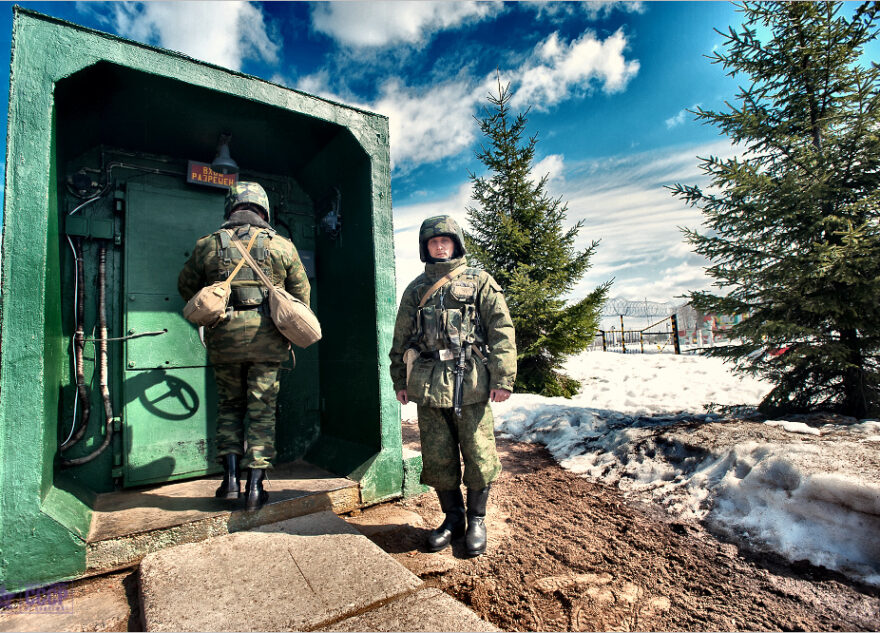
250, 260
445, 279
238, 266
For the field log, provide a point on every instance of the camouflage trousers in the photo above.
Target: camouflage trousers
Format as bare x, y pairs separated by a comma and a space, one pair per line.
247, 393
444, 436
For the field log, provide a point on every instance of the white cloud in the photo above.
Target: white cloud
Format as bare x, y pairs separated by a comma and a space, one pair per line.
551, 166
671, 282
603, 8
378, 24
624, 203
680, 118
594, 9
676, 120
566, 69
434, 122
428, 124
318, 84
223, 33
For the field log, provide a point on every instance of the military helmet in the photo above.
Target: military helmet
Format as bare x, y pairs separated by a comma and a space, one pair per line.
437, 226
247, 193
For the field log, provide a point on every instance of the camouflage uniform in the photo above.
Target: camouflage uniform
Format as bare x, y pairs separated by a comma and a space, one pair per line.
467, 310
245, 348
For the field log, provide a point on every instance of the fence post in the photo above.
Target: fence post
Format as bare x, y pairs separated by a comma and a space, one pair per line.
675, 344
642, 341
604, 346
622, 336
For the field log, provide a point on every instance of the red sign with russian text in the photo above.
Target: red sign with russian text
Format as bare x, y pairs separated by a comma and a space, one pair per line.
201, 174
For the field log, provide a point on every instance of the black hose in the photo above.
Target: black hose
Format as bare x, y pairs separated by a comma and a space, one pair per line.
79, 344
102, 363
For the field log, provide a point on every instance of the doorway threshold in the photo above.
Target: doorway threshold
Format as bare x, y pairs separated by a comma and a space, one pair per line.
129, 524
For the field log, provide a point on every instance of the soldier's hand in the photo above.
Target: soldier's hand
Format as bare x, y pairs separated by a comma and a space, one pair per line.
499, 395
402, 397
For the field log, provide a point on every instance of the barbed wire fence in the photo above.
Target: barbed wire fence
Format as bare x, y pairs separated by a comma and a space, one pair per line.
666, 328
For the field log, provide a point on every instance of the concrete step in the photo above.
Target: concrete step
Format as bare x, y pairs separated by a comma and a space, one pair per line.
309, 573
129, 524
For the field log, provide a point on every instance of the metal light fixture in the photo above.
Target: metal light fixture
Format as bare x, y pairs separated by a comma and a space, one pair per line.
223, 163
332, 222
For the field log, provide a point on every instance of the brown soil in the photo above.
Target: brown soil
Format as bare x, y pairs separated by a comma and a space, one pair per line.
571, 555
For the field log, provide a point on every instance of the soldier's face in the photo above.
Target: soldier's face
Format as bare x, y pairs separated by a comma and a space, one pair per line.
441, 247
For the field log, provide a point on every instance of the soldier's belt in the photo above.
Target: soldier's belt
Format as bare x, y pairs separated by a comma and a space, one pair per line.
440, 354
262, 308
448, 354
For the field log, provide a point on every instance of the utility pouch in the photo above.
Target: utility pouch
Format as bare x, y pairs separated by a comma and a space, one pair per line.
469, 324
432, 330
208, 306
454, 324
463, 291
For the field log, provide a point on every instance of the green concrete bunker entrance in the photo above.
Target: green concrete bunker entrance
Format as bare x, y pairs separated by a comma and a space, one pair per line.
101, 135
125, 138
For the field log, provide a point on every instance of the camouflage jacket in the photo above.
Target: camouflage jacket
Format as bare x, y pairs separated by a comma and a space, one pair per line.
245, 334
470, 307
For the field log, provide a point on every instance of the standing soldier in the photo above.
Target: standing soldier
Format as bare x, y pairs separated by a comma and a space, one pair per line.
453, 351
245, 348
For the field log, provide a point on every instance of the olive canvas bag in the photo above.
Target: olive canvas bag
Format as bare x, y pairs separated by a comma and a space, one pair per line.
208, 305
293, 318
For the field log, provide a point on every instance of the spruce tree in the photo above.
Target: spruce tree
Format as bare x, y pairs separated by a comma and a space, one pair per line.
792, 224
517, 234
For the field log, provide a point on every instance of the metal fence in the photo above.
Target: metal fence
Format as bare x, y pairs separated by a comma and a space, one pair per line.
656, 338
684, 331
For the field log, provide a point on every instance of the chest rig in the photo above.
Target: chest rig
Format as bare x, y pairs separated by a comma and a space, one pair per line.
247, 291
449, 319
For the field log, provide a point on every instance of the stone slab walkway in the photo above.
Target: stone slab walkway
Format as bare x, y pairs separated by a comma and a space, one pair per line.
313, 572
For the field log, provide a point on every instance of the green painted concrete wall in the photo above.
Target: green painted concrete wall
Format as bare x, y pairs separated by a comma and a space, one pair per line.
45, 512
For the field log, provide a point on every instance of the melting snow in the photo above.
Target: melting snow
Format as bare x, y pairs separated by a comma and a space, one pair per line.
794, 427
641, 422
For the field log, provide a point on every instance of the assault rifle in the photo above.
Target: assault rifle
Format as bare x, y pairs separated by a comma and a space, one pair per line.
460, 366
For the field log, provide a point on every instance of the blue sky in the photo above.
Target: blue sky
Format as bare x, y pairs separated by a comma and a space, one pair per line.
608, 85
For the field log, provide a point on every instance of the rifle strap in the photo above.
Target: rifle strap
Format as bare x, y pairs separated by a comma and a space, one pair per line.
445, 279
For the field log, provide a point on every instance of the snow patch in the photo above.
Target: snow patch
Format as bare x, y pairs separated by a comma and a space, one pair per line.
793, 427
642, 422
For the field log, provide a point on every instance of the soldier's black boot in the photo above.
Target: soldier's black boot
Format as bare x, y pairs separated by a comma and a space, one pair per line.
231, 486
452, 503
475, 539
254, 494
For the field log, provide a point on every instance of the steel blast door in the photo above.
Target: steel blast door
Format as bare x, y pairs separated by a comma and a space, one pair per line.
170, 398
